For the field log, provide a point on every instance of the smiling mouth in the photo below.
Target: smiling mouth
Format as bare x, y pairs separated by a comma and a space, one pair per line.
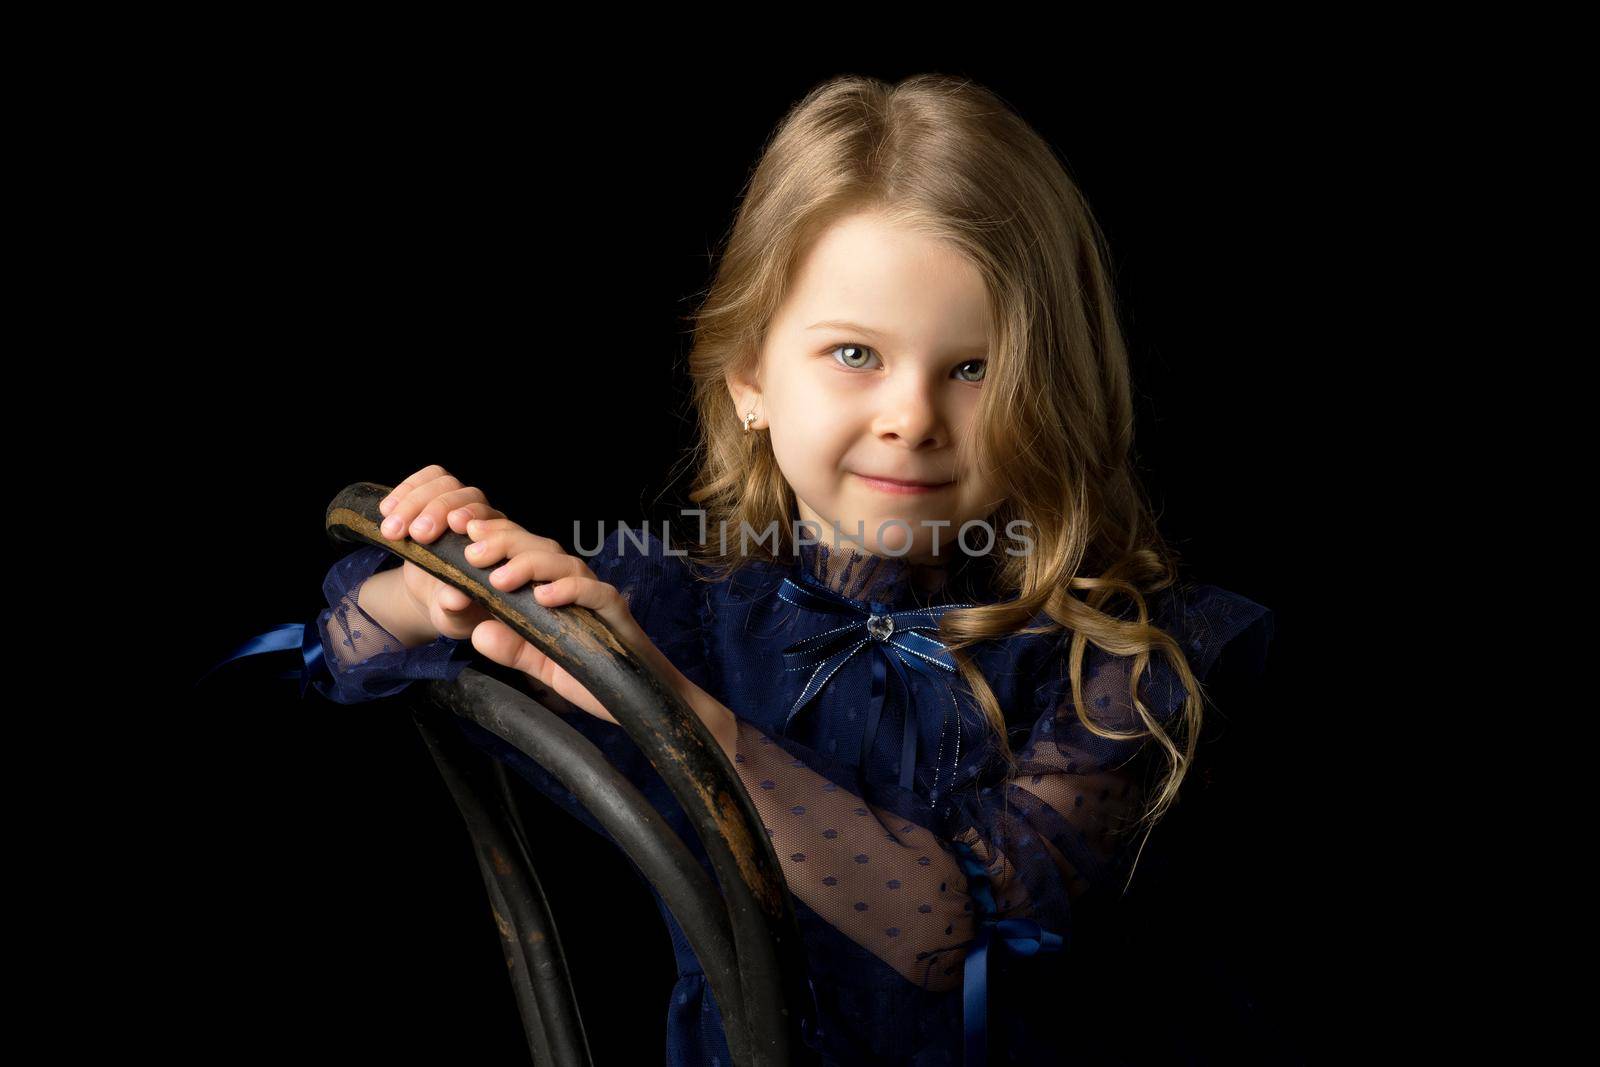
891, 485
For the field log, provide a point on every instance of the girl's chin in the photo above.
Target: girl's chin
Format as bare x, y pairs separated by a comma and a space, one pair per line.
895, 544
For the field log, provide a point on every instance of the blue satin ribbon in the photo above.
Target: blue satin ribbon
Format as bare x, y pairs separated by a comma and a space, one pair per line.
899, 635
291, 635
1022, 936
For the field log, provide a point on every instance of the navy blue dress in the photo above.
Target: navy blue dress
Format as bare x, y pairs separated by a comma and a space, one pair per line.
937, 896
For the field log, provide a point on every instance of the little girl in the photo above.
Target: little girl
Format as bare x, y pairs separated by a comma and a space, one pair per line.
911, 335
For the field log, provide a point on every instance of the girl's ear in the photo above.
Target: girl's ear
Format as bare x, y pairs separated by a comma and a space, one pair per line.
746, 393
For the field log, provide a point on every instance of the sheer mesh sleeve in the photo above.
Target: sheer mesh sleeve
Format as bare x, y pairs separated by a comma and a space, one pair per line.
879, 869
365, 661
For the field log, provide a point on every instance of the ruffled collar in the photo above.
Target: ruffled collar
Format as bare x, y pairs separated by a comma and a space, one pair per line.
858, 575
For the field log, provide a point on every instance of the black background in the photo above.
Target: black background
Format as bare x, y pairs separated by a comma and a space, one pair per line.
378, 272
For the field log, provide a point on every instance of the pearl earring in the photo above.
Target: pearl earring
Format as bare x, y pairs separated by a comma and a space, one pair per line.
748, 419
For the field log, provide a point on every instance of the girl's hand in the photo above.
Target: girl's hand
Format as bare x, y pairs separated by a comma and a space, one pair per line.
566, 580
422, 506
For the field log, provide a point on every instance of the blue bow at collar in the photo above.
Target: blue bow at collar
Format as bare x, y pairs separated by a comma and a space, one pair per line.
902, 637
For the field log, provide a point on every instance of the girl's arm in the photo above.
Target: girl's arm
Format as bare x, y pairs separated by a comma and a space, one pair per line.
884, 879
876, 870
723, 723
371, 644
366, 661
383, 599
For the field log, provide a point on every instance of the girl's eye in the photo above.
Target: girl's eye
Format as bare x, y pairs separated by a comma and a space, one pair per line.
856, 352
856, 357
981, 364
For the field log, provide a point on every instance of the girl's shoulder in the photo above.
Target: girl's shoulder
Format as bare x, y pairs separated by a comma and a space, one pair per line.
1206, 619
1209, 623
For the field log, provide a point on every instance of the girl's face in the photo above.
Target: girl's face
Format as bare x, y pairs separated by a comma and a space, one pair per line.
872, 369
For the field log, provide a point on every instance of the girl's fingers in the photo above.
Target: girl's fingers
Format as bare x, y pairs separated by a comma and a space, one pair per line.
535, 565
568, 580
496, 641
492, 547
424, 512
427, 473
497, 538
585, 590
407, 508
486, 553
435, 513
452, 599
500, 643
430, 523
509, 535
461, 517
457, 624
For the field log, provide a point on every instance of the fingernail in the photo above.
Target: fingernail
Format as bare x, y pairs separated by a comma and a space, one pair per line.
423, 525
388, 502
473, 528
475, 549
391, 526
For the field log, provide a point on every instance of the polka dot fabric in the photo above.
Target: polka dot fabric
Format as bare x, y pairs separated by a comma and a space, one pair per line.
365, 661
874, 868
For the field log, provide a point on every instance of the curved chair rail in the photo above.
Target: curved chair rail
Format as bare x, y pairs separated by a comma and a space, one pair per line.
615, 803
761, 985
537, 966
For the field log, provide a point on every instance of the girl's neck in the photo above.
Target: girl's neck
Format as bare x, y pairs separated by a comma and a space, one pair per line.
848, 568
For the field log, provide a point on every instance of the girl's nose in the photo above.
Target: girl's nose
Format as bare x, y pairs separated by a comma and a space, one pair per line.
912, 415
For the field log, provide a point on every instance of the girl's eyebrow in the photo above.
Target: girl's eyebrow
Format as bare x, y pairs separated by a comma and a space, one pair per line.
839, 324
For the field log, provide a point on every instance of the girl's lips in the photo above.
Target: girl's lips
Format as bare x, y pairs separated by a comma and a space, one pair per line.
885, 486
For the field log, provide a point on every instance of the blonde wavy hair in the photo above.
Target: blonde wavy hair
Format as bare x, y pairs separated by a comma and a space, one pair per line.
1054, 426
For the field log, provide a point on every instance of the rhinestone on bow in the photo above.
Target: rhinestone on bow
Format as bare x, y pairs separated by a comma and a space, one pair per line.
880, 627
